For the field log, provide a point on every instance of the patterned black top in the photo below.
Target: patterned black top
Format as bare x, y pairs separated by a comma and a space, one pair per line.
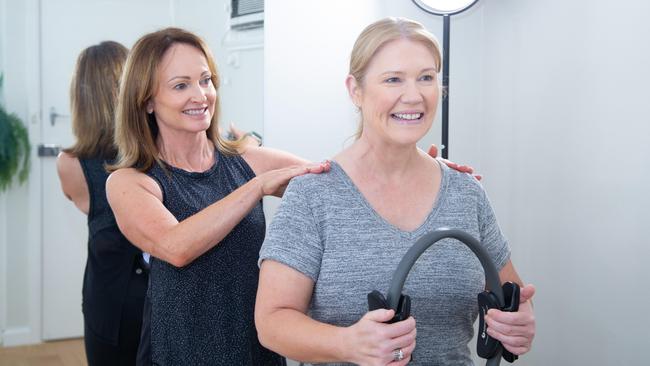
202, 314
111, 259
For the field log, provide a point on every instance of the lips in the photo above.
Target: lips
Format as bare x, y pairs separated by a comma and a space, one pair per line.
408, 118
195, 111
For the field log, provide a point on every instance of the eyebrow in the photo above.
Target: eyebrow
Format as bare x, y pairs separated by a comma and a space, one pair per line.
183, 77
428, 69
179, 77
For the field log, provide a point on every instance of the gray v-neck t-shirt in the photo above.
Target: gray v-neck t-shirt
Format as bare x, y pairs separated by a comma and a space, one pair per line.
327, 230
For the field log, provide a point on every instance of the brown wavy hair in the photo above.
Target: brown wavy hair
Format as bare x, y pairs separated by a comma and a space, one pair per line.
93, 96
136, 131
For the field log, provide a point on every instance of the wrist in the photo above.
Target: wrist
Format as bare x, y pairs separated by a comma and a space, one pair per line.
344, 341
258, 187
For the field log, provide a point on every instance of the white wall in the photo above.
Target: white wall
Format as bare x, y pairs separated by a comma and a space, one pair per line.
566, 140
304, 73
239, 56
547, 101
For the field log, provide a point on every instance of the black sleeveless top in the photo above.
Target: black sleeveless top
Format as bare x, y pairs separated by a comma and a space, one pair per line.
202, 314
112, 259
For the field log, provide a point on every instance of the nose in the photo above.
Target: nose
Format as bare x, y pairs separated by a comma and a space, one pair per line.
411, 94
199, 94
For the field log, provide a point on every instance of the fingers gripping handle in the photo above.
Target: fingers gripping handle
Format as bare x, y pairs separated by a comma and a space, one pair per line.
486, 346
376, 300
396, 301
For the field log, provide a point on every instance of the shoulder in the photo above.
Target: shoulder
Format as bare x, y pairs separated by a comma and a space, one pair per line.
69, 169
264, 159
308, 182
460, 182
319, 190
67, 163
128, 179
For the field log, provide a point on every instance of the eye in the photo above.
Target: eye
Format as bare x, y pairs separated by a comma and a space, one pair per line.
392, 80
427, 77
180, 86
206, 81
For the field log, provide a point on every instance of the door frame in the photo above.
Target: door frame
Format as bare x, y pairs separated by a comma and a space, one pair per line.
3, 206
28, 35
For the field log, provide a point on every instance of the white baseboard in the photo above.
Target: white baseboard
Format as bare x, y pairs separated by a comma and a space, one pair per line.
19, 336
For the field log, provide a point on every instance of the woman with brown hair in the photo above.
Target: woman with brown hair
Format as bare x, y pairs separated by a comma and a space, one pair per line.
193, 200
115, 281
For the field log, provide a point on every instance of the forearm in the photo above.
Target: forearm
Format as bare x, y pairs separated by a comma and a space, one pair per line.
299, 337
185, 241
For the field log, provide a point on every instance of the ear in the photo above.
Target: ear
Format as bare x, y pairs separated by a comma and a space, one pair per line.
354, 89
150, 106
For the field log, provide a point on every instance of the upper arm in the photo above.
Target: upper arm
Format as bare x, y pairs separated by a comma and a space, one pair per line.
263, 159
490, 232
73, 181
282, 287
136, 201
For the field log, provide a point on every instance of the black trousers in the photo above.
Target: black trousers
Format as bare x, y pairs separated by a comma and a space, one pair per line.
101, 353
144, 350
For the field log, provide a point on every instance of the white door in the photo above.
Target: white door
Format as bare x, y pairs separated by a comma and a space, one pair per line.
67, 27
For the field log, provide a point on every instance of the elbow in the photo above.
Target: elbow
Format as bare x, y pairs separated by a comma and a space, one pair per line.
178, 262
177, 258
262, 330
265, 341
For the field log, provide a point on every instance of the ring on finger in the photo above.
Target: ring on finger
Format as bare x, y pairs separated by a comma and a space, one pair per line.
398, 355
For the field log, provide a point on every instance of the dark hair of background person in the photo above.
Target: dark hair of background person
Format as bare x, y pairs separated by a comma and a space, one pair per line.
93, 111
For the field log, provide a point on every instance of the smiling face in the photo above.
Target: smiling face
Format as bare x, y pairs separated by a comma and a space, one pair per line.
184, 100
398, 96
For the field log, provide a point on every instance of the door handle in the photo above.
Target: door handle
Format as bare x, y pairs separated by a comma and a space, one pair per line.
45, 150
54, 116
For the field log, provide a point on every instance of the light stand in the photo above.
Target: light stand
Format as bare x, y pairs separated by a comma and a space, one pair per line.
445, 8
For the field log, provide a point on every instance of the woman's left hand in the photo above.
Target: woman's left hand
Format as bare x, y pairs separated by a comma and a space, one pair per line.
515, 330
433, 152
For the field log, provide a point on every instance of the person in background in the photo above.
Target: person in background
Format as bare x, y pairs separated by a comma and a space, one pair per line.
338, 236
115, 280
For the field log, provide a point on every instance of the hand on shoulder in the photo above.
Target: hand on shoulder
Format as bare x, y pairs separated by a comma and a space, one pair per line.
433, 152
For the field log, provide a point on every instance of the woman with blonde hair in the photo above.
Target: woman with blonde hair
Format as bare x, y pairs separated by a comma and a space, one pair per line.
115, 281
193, 201
339, 236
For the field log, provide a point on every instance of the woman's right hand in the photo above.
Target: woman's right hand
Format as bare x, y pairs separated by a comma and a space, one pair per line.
373, 342
274, 182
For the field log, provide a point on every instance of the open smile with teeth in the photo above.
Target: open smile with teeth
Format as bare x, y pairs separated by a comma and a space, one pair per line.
195, 112
407, 116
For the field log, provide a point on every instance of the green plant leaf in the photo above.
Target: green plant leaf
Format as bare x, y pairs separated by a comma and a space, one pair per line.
14, 150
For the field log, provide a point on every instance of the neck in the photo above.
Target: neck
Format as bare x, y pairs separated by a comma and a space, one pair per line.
192, 152
389, 163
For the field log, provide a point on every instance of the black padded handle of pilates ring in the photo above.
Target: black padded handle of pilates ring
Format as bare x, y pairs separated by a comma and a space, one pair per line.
492, 280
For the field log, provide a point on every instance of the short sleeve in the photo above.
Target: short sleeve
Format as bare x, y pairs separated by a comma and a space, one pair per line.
293, 237
491, 235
